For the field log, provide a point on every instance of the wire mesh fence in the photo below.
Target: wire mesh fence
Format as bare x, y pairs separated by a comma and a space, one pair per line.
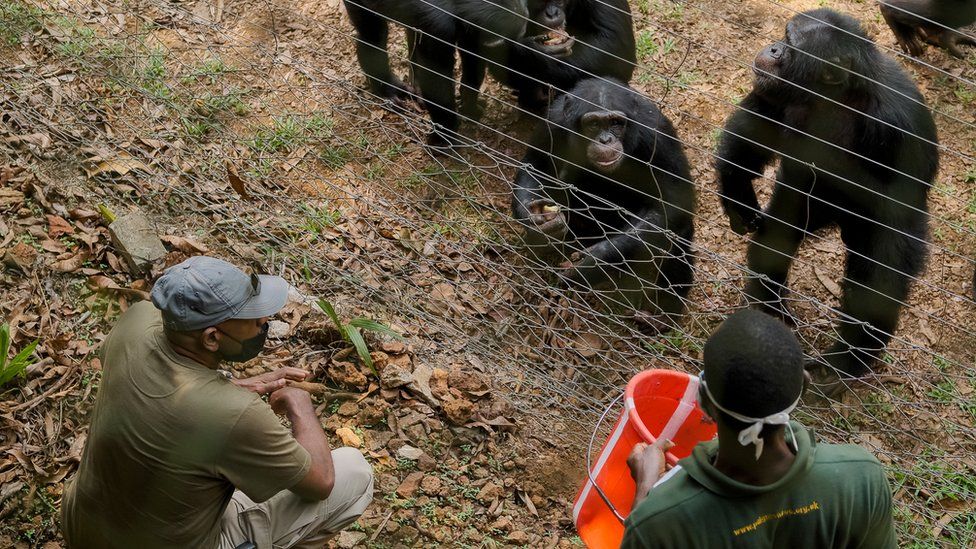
249, 123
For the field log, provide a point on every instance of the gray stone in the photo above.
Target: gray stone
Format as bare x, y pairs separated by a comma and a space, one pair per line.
350, 540
136, 240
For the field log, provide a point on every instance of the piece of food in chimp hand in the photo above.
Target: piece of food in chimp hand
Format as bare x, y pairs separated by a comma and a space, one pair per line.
858, 149
550, 208
610, 161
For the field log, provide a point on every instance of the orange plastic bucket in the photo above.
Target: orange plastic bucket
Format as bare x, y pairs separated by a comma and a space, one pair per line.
657, 403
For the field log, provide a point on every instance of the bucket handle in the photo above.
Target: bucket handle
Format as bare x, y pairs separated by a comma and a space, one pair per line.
589, 461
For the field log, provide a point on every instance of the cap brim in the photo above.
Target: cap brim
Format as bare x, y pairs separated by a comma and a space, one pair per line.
273, 296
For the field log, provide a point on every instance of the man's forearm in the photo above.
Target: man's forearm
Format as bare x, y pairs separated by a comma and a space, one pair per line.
308, 432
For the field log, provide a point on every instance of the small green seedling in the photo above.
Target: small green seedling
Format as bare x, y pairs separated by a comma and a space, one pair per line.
352, 332
16, 366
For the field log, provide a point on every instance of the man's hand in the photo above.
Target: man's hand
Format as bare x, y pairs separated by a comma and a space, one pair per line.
271, 381
288, 401
647, 464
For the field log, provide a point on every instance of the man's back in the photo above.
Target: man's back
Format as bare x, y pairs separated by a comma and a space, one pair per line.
832, 497
169, 441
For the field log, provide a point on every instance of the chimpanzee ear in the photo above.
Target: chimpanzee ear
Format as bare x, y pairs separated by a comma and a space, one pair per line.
835, 71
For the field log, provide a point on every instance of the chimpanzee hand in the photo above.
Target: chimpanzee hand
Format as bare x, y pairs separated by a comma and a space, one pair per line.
546, 219
742, 219
270, 381
572, 270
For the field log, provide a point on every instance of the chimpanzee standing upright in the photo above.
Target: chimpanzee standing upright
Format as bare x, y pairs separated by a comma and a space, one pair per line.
857, 148
435, 30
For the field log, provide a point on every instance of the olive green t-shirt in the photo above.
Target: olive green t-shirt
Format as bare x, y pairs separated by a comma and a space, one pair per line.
169, 442
833, 496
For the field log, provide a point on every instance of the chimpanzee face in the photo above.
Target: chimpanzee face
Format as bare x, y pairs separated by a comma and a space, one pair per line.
548, 27
812, 55
604, 133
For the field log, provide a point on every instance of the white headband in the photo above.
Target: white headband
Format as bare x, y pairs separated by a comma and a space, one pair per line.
750, 435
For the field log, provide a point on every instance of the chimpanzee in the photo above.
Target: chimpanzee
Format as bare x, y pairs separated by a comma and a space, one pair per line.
567, 40
857, 148
915, 22
434, 29
605, 175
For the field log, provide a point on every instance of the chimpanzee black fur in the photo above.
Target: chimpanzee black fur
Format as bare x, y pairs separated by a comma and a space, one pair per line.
606, 176
435, 28
916, 22
857, 148
567, 40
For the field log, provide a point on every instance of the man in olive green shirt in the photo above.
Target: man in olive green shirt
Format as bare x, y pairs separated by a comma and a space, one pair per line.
764, 483
181, 455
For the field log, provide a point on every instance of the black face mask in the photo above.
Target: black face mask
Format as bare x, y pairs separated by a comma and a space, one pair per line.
250, 348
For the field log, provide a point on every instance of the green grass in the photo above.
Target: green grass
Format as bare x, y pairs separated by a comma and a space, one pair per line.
15, 367
289, 132
646, 45
18, 21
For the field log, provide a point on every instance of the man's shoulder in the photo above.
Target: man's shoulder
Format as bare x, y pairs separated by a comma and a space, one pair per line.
848, 466
677, 490
835, 454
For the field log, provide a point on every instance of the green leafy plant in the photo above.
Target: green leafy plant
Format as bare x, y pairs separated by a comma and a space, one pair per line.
352, 332
16, 366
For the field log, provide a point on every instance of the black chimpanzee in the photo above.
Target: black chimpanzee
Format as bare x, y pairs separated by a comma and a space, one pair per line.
567, 40
605, 175
857, 148
434, 29
915, 22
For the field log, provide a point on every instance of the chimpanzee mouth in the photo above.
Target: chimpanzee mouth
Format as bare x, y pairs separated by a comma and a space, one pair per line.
555, 40
609, 164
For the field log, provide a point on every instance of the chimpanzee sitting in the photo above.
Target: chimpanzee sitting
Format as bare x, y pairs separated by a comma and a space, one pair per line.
434, 29
934, 21
606, 176
858, 148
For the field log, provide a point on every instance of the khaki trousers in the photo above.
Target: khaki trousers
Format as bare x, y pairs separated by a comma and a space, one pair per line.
288, 521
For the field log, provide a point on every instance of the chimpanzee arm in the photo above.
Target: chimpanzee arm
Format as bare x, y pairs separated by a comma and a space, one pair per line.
745, 148
537, 168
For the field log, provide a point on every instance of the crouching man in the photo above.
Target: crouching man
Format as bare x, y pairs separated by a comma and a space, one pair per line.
180, 455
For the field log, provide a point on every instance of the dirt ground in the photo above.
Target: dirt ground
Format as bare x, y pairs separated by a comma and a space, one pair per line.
241, 130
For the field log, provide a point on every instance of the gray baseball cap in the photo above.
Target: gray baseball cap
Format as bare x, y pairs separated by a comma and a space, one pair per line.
205, 291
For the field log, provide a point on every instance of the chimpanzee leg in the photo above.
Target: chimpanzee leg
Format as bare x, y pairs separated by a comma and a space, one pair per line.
372, 32
472, 77
881, 264
771, 251
433, 63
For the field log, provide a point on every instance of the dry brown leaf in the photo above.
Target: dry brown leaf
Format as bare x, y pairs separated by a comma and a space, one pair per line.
185, 245
828, 282
122, 164
348, 437
40, 140
235, 180
71, 263
10, 198
58, 226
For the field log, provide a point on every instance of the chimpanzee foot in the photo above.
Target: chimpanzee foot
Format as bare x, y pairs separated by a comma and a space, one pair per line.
399, 94
776, 308
826, 382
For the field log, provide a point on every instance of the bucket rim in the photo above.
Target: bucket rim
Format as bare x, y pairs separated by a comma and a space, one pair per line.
637, 423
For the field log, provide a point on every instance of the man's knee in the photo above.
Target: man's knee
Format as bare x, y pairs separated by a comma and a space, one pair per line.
351, 466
